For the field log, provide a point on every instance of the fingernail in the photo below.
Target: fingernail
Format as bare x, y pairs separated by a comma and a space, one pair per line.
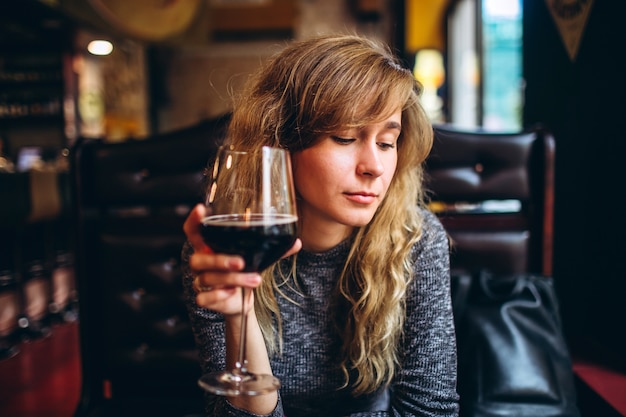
233, 263
254, 279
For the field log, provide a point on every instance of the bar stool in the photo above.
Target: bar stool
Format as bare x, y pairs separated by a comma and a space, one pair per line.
9, 302
14, 208
64, 302
35, 283
36, 252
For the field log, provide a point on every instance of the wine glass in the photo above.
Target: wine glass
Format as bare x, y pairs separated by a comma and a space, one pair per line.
251, 212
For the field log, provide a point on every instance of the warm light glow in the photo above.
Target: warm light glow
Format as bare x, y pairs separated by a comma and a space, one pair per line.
429, 69
430, 72
100, 47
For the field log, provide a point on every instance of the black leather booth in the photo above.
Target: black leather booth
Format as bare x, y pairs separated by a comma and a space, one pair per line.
494, 193
137, 348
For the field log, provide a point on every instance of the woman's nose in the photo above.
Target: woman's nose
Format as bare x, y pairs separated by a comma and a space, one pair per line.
369, 162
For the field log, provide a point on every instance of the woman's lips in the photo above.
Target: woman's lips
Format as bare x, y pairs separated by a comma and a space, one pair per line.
361, 197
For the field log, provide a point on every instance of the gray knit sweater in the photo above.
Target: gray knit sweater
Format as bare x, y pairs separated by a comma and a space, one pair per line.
425, 384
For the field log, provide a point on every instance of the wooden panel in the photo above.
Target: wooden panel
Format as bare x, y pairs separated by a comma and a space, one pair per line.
273, 16
370, 6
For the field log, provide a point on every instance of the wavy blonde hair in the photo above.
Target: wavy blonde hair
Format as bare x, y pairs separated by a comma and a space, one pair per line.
313, 88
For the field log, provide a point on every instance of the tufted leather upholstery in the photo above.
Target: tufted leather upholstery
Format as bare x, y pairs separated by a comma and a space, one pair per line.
138, 352
494, 193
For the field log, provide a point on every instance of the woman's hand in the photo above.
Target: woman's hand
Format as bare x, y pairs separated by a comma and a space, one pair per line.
218, 282
218, 277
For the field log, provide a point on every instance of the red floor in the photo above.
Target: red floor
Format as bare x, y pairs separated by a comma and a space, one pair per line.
609, 384
43, 379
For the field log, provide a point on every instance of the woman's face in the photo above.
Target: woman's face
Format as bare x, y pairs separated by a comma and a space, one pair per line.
343, 178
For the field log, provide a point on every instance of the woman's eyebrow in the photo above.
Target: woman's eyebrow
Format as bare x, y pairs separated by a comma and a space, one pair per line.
393, 125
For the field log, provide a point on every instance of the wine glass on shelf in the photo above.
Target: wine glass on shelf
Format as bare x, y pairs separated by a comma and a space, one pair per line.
251, 212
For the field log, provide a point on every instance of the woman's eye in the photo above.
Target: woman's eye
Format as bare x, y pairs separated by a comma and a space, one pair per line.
343, 141
385, 145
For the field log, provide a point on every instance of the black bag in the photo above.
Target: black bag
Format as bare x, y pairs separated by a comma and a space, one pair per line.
513, 359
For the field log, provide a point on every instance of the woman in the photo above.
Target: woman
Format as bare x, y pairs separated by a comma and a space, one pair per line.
357, 318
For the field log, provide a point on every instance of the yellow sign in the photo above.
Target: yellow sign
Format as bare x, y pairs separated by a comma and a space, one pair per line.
570, 17
425, 24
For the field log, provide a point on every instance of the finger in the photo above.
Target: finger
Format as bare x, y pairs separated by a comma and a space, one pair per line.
297, 245
199, 287
226, 300
191, 227
216, 262
209, 282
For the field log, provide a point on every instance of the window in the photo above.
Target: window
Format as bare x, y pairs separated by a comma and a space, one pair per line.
484, 64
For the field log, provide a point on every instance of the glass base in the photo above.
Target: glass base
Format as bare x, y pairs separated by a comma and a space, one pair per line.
234, 384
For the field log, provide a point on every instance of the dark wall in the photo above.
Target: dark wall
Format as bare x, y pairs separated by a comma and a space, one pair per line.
584, 103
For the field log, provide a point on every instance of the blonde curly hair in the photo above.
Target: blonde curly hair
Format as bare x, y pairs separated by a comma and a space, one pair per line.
315, 87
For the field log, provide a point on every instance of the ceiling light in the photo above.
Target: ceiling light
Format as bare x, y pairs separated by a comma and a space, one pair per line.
100, 47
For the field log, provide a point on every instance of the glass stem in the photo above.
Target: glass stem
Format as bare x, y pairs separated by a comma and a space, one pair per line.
242, 363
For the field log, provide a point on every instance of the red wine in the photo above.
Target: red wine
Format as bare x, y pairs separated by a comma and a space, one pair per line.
260, 239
